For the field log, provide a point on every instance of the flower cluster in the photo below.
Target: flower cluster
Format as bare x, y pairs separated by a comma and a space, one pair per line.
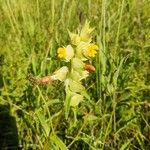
77, 53
83, 50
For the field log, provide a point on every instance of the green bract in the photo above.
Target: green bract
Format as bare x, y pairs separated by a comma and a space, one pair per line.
76, 86
78, 76
77, 64
76, 99
61, 74
86, 33
75, 39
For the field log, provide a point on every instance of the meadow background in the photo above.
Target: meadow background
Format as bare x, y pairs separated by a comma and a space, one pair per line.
117, 115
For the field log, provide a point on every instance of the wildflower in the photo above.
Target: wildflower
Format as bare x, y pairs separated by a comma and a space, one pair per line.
61, 52
85, 51
65, 53
60, 74
90, 51
85, 74
76, 86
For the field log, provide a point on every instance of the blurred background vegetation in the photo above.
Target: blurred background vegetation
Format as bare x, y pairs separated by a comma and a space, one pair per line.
117, 115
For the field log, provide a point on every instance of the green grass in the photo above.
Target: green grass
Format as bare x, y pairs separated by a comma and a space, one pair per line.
117, 115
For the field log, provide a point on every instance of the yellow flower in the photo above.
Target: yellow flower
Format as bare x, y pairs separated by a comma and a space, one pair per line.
91, 50
61, 52
66, 53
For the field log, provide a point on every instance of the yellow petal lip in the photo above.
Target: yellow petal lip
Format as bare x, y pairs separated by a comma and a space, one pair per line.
65, 53
61, 52
92, 50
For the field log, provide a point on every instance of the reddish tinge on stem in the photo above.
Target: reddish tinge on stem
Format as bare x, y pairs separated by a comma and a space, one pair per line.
43, 81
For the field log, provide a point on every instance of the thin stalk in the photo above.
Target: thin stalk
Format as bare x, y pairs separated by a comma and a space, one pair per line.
77, 135
119, 25
13, 16
46, 108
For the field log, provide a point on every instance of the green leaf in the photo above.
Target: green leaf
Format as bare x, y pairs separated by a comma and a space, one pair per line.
90, 118
43, 122
58, 142
116, 74
125, 145
67, 103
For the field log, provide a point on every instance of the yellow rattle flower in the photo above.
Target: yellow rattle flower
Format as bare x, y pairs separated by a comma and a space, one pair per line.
91, 50
65, 53
61, 52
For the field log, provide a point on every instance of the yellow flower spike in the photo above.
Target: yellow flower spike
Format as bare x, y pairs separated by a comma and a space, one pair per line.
66, 53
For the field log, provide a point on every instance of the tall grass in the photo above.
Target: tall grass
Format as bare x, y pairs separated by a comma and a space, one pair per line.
116, 116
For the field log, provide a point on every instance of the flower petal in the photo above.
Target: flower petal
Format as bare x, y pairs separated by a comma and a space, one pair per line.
69, 53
